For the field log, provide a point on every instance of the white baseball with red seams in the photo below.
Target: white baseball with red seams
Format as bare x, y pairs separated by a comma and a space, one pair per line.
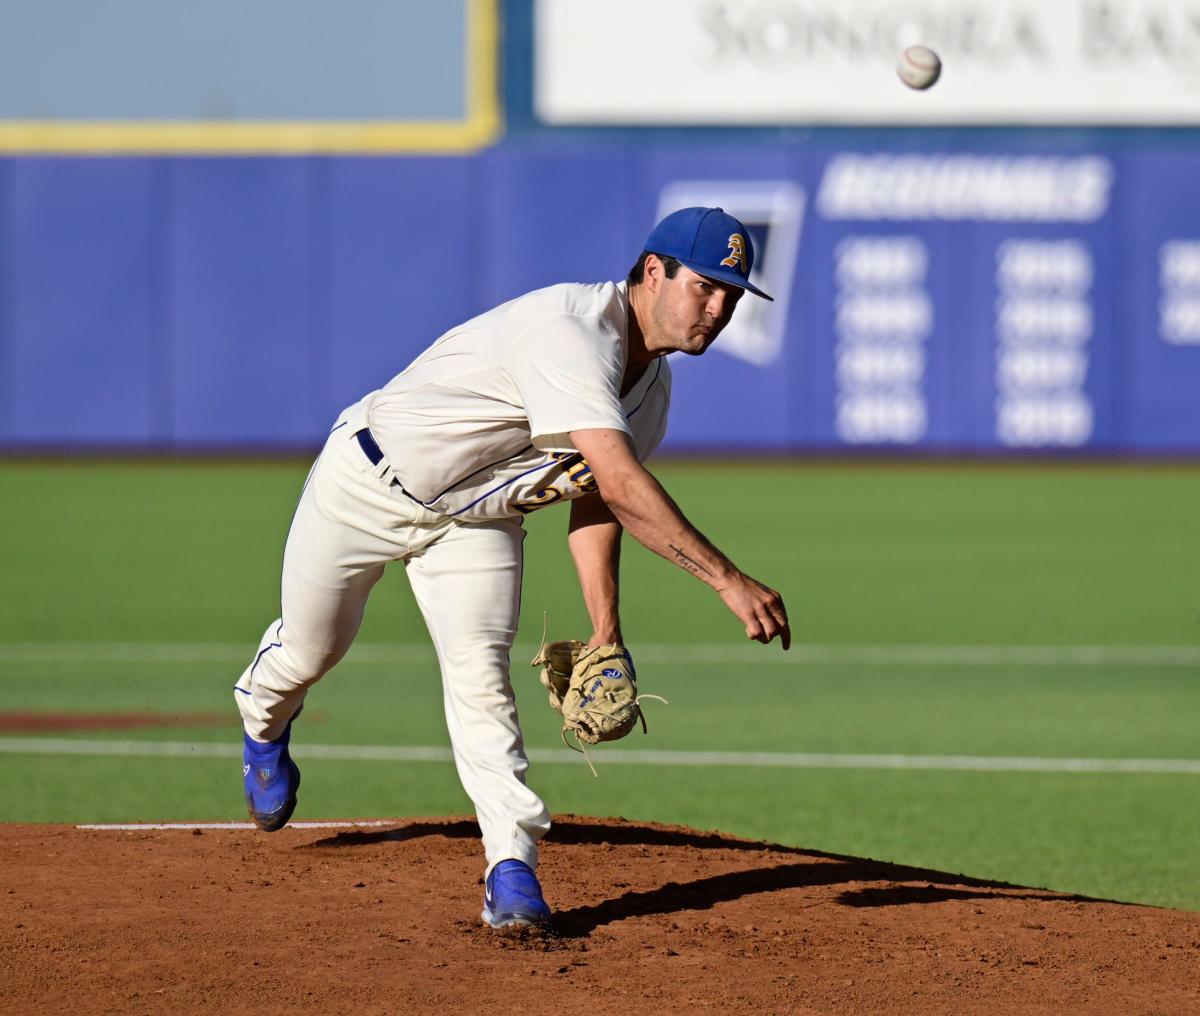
919, 67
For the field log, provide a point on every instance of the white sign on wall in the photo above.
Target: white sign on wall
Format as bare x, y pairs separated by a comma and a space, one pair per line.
1179, 292
883, 320
1044, 326
693, 62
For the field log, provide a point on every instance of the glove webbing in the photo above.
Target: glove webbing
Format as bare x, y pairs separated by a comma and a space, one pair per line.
578, 745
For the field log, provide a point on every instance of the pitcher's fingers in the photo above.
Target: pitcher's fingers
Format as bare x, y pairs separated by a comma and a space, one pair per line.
783, 631
771, 625
779, 612
758, 632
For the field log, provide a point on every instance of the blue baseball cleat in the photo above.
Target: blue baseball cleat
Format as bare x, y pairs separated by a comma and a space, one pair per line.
271, 779
512, 898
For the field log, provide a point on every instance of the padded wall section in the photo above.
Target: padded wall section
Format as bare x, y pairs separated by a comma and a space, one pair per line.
82, 301
248, 361
949, 301
548, 215
1158, 301
8, 416
400, 261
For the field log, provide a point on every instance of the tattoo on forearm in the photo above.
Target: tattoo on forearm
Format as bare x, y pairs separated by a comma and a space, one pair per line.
684, 561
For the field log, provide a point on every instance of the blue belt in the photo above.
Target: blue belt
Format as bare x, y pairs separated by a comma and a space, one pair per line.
370, 449
373, 452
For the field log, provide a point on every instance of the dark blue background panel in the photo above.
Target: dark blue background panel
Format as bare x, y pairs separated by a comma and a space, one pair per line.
82, 313
711, 409
1158, 382
401, 258
548, 215
247, 364
8, 417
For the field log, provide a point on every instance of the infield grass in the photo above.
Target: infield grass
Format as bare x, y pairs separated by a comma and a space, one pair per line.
186, 554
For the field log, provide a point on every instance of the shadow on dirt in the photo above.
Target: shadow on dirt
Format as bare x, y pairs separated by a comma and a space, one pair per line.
903, 895
818, 869
704, 893
567, 830
460, 829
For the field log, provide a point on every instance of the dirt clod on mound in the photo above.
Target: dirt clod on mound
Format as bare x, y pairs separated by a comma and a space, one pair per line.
648, 919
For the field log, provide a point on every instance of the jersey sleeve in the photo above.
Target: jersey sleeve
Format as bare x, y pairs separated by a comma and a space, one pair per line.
568, 372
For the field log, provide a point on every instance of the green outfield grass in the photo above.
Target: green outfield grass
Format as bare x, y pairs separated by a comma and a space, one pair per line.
144, 587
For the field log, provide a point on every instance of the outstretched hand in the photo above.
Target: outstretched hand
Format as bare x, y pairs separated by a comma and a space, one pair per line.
759, 608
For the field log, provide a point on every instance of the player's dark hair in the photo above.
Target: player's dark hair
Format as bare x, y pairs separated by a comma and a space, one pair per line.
638, 271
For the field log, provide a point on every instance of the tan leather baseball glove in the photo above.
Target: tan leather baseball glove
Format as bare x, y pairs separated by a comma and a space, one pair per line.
595, 690
601, 703
557, 660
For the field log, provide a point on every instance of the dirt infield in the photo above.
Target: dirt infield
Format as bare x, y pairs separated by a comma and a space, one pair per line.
650, 919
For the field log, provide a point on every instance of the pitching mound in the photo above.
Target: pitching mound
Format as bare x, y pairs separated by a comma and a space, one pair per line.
650, 919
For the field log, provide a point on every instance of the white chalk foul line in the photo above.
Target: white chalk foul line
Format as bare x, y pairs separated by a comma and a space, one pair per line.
659, 655
617, 756
136, 826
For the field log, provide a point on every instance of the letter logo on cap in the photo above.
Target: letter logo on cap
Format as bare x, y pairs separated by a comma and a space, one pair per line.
737, 253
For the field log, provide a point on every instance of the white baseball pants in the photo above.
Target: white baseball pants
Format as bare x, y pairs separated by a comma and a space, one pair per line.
350, 522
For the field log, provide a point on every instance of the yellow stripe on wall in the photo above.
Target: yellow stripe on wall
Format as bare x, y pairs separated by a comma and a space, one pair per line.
481, 126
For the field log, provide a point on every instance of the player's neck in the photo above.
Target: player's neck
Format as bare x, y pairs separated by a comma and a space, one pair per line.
637, 356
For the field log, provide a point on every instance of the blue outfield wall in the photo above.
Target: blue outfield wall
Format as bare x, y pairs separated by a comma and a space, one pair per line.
942, 301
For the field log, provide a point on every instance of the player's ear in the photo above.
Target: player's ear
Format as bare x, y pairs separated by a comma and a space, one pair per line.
654, 273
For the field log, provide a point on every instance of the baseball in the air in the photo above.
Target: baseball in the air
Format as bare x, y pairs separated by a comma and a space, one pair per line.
919, 67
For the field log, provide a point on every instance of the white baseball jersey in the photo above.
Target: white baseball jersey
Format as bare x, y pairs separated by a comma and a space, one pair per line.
478, 426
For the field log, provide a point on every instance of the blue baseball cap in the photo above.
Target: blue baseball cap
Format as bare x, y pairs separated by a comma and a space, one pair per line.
710, 242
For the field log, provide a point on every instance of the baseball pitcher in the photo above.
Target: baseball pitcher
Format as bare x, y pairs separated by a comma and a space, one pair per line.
559, 395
